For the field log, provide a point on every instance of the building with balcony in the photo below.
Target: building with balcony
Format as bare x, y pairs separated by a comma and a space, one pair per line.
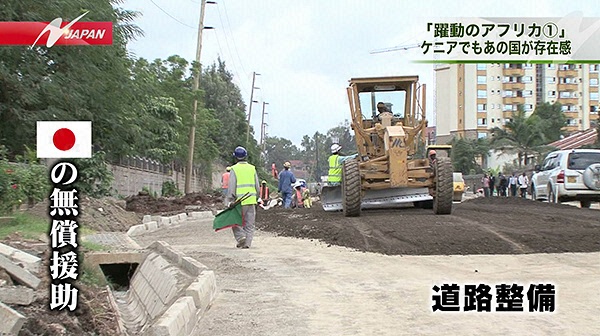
472, 99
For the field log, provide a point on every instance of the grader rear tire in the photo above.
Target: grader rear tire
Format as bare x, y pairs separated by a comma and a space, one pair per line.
444, 187
351, 193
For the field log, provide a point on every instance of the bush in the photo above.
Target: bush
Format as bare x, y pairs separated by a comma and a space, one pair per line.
170, 189
24, 181
95, 178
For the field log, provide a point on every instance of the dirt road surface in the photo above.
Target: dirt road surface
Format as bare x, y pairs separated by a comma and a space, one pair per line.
291, 286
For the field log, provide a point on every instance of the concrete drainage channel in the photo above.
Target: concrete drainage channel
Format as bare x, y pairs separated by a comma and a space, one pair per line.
158, 291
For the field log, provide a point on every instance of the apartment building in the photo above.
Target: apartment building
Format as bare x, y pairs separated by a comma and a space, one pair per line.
471, 99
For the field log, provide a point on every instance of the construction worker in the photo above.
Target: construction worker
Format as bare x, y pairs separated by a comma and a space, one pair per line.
432, 157
335, 165
225, 180
381, 108
306, 198
274, 170
297, 201
243, 179
286, 179
264, 192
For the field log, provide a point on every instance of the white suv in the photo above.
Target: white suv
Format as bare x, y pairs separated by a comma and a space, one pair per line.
568, 175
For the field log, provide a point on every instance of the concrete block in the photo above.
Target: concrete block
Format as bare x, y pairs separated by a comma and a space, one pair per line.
192, 266
151, 226
164, 221
28, 261
155, 219
16, 295
179, 319
137, 230
12, 321
167, 251
6, 250
182, 217
174, 220
146, 219
20, 274
203, 290
154, 306
203, 215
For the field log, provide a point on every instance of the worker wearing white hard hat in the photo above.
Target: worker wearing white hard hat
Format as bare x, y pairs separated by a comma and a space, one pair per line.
335, 164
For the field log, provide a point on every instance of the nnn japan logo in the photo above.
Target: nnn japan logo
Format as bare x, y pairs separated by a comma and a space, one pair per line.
56, 32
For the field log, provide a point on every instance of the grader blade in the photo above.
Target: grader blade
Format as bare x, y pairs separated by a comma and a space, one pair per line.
331, 198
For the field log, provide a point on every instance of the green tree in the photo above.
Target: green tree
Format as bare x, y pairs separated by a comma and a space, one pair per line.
343, 135
280, 150
552, 120
465, 153
163, 127
522, 135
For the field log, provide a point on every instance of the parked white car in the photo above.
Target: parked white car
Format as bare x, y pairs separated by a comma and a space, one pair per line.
568, 175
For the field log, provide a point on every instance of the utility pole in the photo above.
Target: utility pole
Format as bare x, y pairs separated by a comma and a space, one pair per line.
262, 125
190, 163
254, 74
318, 177
264, 144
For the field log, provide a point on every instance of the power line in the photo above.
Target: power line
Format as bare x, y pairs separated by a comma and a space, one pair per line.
234, 45
236, 72
172, 17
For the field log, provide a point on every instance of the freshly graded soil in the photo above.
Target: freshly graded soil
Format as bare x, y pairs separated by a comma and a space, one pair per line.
491, 225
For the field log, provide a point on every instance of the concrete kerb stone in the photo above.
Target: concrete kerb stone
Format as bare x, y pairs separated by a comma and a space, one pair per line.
151, 226
179, 319
12, 320
203, 290
28, 261
146, 219
137, 230
16, 295
192, 266
18, 273
203, 215
167, 251
164, 222
182, 216
174, 220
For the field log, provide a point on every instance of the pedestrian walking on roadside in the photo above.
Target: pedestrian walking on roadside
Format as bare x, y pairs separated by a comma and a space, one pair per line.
485, 180
523, 185
502, 185
492, 184
286, 179
513, 183
243, 180
225, 181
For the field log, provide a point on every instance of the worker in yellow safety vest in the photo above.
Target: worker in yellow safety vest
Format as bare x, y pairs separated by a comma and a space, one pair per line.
335, 165
243, 179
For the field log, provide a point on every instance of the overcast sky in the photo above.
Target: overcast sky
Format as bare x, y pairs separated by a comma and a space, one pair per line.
306, 51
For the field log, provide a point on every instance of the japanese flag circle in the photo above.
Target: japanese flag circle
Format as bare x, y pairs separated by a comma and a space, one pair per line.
64, 139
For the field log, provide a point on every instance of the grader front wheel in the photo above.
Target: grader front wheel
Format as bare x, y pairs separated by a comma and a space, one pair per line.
444, 187
351, 193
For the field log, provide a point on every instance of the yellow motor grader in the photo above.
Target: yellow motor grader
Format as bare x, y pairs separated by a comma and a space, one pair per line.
392, 166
